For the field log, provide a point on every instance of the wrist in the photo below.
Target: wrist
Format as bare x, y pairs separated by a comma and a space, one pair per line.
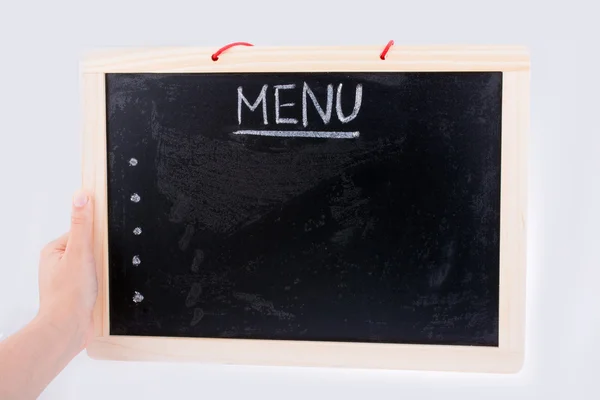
65, 326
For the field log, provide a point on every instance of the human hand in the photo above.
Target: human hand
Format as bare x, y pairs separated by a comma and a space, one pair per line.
32, 357
67, 274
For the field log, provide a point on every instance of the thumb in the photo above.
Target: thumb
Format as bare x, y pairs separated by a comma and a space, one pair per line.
82, 215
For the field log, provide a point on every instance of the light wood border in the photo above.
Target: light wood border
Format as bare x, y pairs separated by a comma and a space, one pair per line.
511, 60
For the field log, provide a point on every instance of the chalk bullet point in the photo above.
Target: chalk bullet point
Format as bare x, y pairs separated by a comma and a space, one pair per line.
137, 297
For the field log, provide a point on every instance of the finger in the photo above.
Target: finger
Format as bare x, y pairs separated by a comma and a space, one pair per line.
56, 246
80, 236
60, 243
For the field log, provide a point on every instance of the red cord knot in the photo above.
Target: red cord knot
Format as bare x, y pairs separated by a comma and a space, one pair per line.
386, 49
216, 54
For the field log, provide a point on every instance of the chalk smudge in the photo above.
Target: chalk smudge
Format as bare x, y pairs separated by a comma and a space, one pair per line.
230, 193
198, 315
439, 275
263, 306
343, 236
184, 242
193, 295
198, 259
181, 208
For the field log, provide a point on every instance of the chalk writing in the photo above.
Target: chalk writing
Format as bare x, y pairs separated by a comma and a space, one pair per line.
325, 112
310, 134
278, 105
357, 104
325, 115
261, 99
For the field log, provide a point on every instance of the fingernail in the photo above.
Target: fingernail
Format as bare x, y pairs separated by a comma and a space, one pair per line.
80, 199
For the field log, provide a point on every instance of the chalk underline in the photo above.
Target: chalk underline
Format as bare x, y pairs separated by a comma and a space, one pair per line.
308, 134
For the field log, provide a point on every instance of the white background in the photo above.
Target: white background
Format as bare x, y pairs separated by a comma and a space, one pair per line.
40, 45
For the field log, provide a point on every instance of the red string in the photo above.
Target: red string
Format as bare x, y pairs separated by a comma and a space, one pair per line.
386, 49
216, 55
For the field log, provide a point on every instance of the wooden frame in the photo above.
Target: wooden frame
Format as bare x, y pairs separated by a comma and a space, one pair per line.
512, 61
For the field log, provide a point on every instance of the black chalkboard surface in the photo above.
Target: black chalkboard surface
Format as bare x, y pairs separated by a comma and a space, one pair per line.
357, 207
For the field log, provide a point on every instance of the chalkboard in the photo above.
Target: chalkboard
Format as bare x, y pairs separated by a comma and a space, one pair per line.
353, 207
